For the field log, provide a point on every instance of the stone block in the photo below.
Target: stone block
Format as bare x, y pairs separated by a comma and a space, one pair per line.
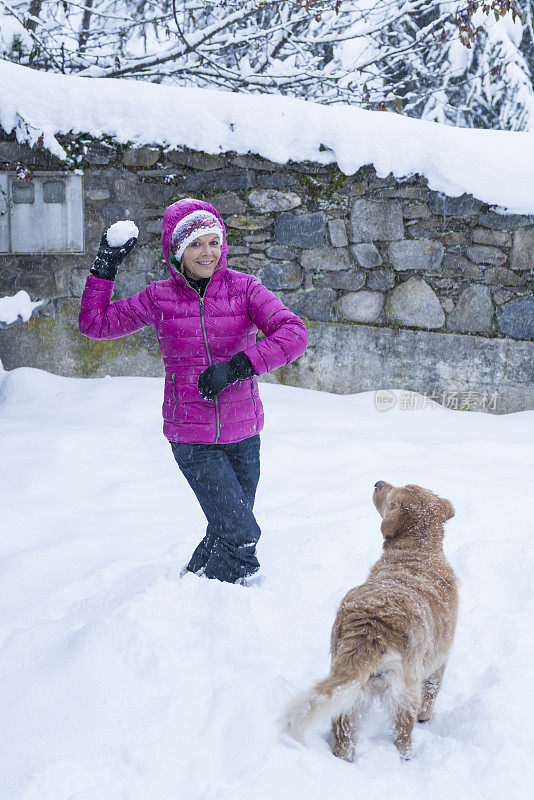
447, 303
491, 237
389, 182
282, 275
115, 211
275, 180
463, 206
364, 306
141, 259
420, 255
310, 168
312, 303
502, 295
406, 193
237, 250
417, 211
366, 255
228, 203
452, 239
256, 238
62, 279
97, 194
196, 160
220, 180
248, 222
168, 174
95, 225
351, 280
444, 283
128, 283
153, 196
252, 162
431, 227
280, 251
504, 222
142, 157
269, 200
300, 230
357, 188
517, 318
523, 249
338, 232
325, 258
78, 277
246, 263
381, 279
153, 226
500, 276
99, 153
414, 303
375, 221
99, 179
482, 254
455, 265
473, 312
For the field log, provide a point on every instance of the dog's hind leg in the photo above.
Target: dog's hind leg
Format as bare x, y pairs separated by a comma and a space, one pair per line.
403, 722
430, 689
345, 731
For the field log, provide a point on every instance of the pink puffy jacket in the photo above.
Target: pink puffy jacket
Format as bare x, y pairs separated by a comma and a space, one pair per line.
194, 333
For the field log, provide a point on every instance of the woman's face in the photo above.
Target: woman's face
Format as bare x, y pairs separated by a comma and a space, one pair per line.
201, 257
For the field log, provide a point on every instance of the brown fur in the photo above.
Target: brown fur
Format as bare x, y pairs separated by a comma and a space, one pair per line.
392, 635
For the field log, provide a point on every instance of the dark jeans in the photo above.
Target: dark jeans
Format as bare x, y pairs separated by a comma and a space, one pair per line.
224, 478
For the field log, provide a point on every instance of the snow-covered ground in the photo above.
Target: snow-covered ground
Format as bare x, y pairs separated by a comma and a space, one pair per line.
120, 682
495, 166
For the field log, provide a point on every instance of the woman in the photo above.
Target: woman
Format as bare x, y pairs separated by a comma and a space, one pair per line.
206, 318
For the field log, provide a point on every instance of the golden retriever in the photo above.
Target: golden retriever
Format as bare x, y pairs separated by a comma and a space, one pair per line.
392, 635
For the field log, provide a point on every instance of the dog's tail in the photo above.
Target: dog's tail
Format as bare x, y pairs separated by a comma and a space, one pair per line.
335, 695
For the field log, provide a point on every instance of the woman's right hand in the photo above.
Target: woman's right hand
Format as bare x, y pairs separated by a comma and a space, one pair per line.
108, 258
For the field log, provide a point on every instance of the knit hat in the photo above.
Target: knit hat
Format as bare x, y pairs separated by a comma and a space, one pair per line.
190, 227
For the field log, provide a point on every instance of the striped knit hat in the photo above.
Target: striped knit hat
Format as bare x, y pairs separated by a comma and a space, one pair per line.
190, 227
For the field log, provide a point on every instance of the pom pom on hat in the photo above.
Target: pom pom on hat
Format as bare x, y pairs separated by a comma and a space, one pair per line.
190, 227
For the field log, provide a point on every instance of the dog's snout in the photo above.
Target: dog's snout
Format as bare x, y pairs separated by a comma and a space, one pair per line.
378, 484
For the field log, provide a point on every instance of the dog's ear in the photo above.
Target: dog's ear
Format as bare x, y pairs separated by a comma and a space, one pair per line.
448, 509
394, 521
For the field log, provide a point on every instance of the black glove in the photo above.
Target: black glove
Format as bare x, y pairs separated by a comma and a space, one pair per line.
217, 377
108, 258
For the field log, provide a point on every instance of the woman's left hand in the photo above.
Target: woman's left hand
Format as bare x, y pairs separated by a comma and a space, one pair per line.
216, 378
219, 376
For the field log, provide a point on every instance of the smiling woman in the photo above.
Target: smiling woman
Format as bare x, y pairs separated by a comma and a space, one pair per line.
201, 257
196, 242
206, 317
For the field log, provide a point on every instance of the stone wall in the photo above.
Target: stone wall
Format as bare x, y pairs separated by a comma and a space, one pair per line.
361, 258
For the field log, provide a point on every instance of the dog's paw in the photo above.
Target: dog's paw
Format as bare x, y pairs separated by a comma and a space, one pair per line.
424, 717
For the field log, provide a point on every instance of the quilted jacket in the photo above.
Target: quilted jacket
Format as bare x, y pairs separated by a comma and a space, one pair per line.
195, 332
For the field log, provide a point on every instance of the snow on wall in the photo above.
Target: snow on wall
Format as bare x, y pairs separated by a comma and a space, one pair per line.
497, 167
17, 306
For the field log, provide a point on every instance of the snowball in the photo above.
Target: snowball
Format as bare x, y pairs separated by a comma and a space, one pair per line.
119, 233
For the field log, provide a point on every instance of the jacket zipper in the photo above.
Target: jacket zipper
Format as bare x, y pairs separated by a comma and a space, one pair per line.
209, 359
207, 348
173, 394
253, 398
